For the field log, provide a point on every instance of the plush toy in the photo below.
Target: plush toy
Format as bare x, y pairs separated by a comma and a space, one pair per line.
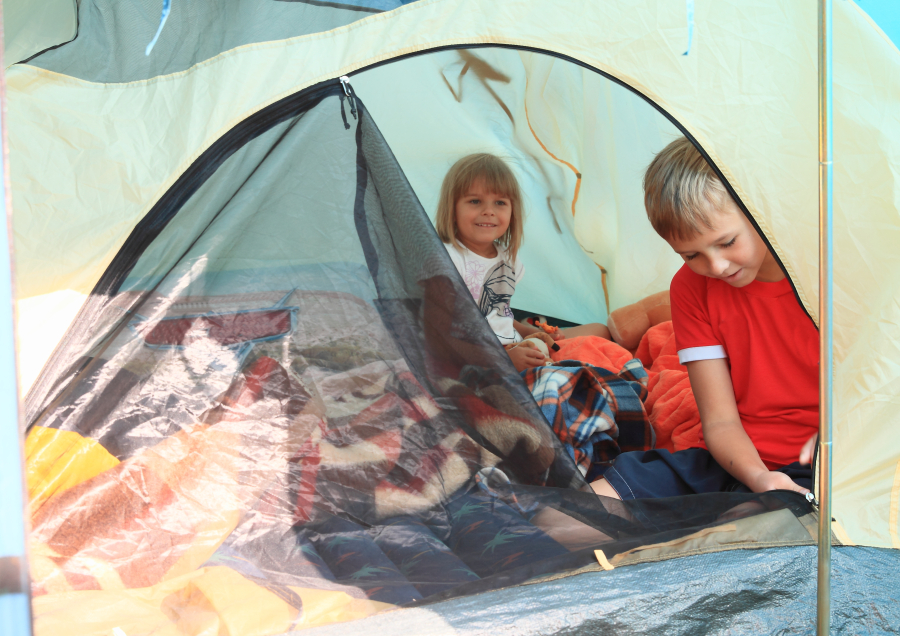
627, 324
552, 330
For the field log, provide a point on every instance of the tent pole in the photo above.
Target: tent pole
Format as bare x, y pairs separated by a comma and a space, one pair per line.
826, 252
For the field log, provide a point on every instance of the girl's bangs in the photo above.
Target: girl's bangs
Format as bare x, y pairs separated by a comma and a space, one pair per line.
501, 183
497, 177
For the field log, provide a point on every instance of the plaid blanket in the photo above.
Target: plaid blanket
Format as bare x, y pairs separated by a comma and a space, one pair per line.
596, 413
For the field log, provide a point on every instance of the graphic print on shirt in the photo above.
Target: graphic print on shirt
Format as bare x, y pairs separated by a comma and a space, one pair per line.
498, 288
474, 277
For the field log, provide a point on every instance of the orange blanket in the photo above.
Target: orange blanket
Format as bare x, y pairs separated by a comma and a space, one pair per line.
592, 350
670, 403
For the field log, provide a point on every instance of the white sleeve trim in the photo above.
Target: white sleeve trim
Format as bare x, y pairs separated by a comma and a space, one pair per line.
692, 354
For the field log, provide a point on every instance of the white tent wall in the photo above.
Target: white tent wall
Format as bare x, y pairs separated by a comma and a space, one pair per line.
89, 160
524, 106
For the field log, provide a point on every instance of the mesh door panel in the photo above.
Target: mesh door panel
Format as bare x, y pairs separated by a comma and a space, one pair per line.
285, 388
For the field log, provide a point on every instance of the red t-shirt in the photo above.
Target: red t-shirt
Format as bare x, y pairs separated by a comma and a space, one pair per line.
772, 349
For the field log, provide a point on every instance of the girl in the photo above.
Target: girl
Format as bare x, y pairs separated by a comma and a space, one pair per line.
480, 220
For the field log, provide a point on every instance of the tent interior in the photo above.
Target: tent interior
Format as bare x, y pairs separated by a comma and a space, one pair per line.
279, 407
579, 143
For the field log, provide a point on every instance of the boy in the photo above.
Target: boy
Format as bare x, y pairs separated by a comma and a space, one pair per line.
751, 352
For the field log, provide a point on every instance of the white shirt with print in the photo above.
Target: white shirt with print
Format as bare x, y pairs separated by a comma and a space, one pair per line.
492, 282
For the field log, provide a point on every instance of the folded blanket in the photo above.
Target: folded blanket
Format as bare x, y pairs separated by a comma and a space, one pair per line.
420, 555
401, 454
356, 559
490, 536
404, 453
596, 413
670, 400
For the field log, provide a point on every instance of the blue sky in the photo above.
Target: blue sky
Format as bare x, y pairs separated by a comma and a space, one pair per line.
885, 13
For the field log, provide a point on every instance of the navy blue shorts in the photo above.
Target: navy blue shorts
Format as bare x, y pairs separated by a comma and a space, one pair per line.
659, 473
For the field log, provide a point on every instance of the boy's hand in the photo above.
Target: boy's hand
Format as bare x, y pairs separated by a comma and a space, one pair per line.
772, 480
525, 358
806, 453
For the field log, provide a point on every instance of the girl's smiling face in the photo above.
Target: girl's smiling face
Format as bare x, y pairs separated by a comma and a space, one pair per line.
731, 250
482, 217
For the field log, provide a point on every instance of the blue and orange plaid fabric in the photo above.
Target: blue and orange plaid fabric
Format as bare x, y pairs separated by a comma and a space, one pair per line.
596, 413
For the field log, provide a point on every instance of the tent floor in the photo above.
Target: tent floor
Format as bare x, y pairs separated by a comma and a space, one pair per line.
768, 591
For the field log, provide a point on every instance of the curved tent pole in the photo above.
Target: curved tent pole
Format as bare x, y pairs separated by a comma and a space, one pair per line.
826, 280
15, 590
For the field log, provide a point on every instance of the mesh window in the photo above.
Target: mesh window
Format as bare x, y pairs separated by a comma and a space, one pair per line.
282, 390
113, 34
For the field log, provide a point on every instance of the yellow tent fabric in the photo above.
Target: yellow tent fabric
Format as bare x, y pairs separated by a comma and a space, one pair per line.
57, 460
89, 160
211, 600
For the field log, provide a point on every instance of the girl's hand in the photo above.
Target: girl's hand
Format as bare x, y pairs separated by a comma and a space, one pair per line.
558, 336
546, 337
806, 453
525, 358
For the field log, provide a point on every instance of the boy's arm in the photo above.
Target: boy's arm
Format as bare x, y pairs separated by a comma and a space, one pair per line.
723, 432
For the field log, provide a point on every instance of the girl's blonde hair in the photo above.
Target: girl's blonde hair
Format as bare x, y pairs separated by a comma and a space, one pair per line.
498, 179
679, 189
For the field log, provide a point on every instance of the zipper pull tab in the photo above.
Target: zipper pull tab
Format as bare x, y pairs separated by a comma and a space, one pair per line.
811, 498
348, 91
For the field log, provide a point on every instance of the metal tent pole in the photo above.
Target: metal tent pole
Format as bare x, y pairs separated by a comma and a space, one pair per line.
826, 253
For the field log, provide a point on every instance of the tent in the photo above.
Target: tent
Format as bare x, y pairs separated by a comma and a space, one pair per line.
244, 349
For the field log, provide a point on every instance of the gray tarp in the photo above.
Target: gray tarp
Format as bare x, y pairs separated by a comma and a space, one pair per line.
769, 591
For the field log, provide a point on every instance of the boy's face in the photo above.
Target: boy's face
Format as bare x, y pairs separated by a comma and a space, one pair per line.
731, 250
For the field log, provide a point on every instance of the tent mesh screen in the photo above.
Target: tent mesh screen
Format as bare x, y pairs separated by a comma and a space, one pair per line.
283, 393
112, 35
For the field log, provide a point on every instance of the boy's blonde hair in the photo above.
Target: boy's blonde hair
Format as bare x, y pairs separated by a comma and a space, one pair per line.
498, 179
679, 188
